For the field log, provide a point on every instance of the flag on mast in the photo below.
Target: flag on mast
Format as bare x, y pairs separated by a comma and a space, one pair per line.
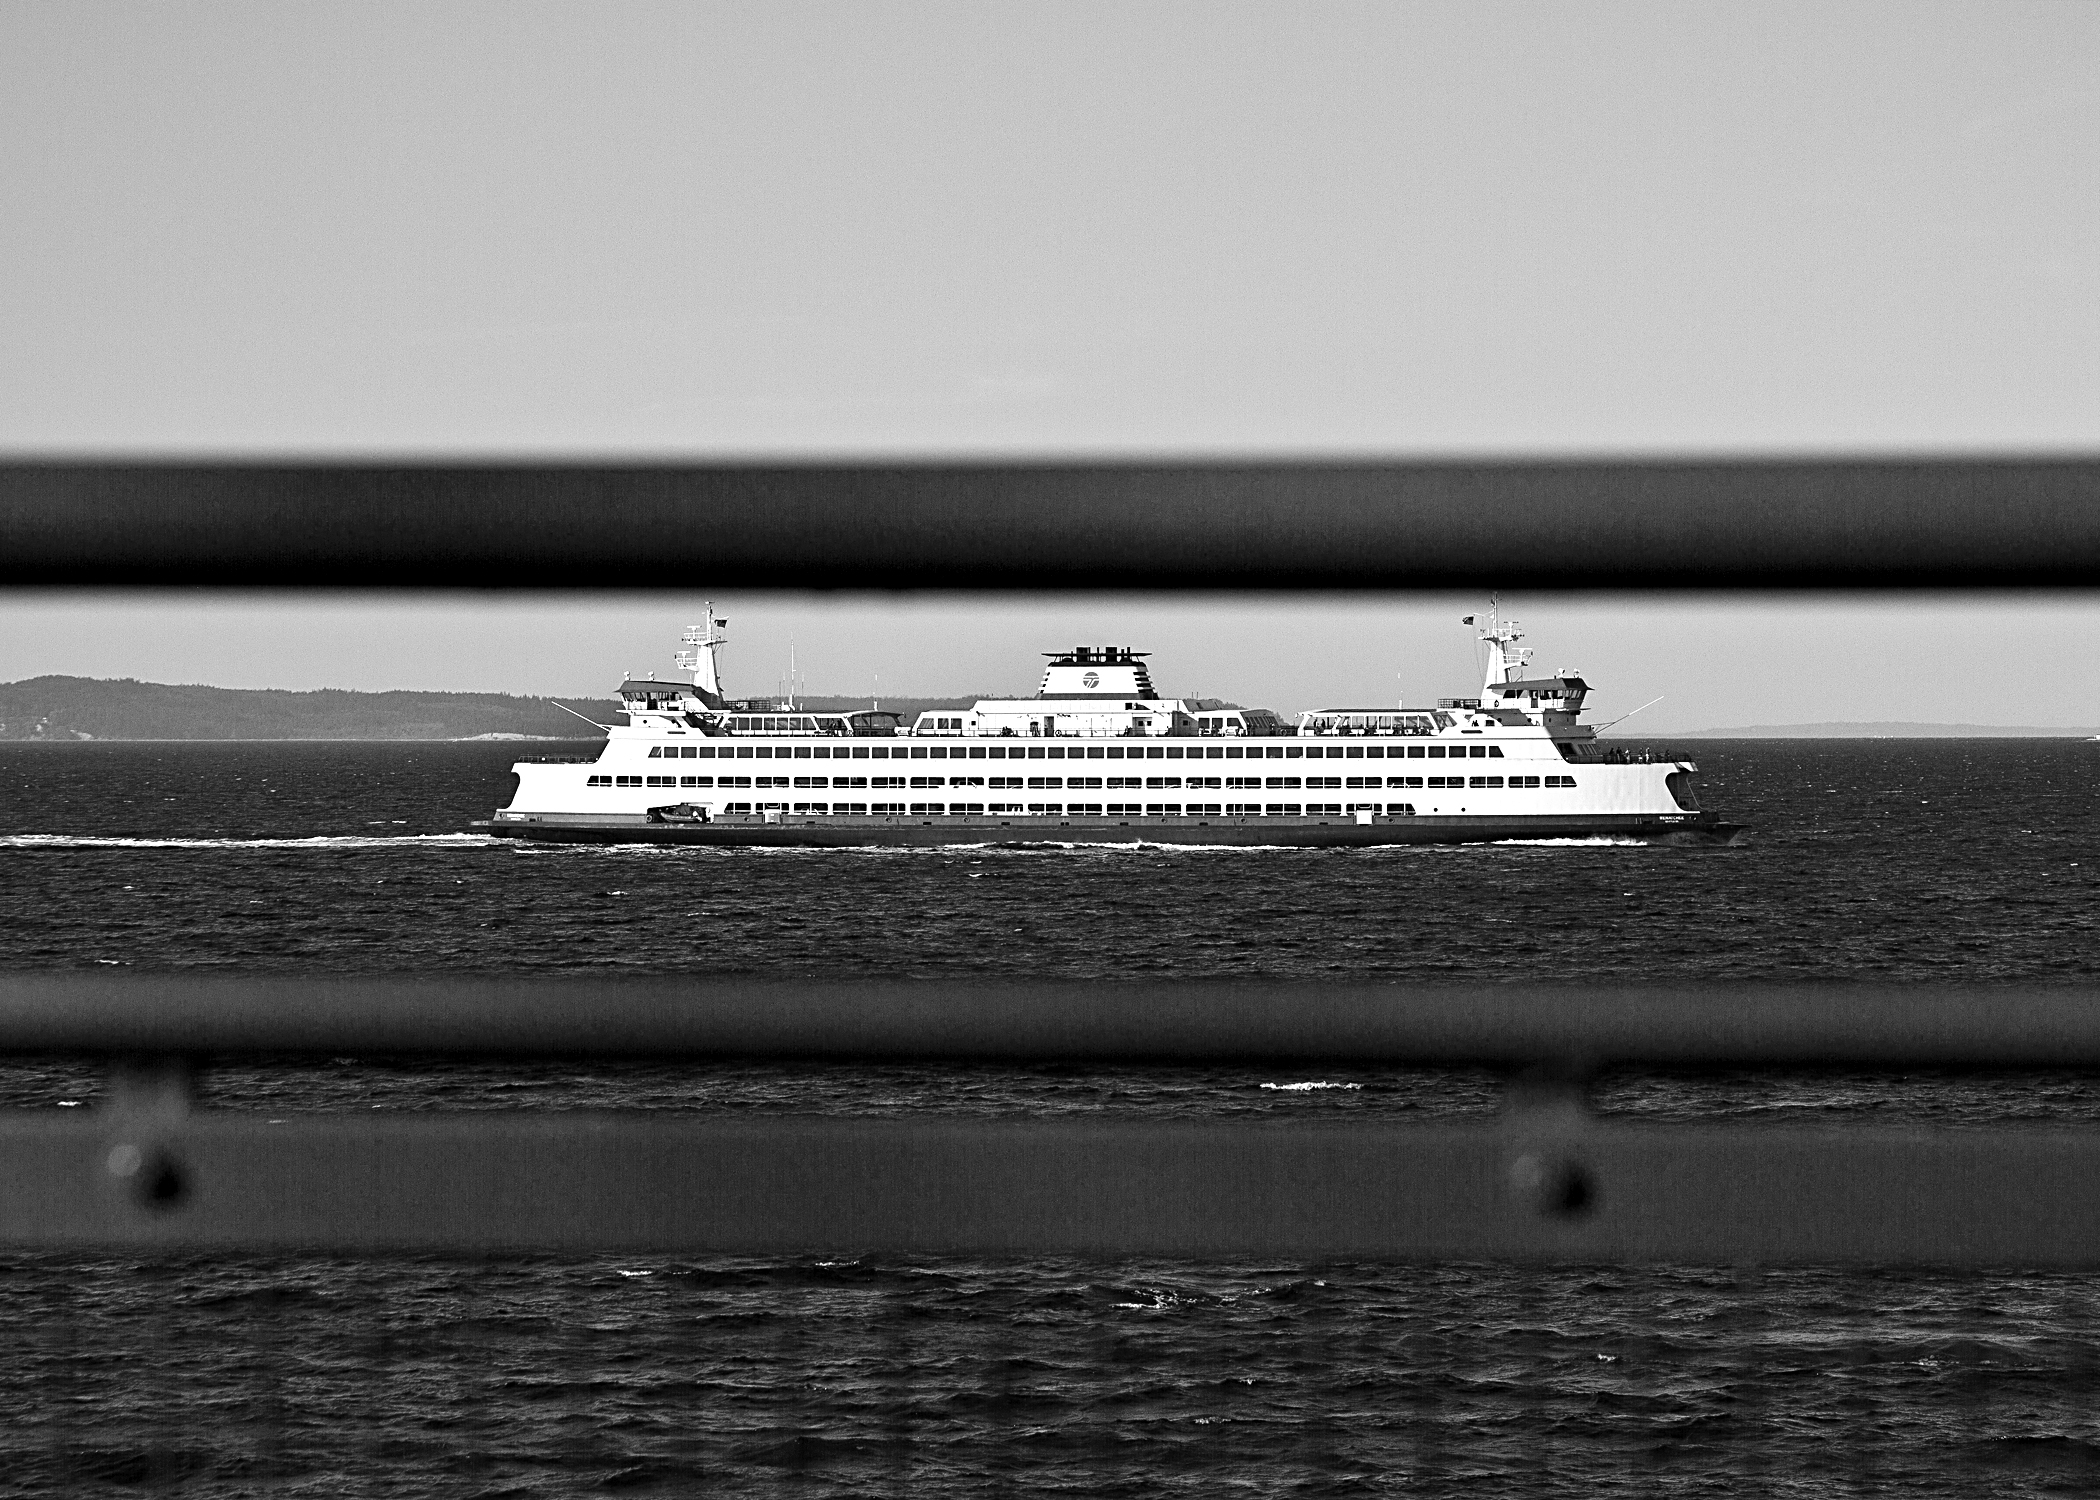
1467, 620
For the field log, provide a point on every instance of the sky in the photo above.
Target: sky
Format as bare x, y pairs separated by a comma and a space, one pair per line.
1185, 226
792, 230
1717, 662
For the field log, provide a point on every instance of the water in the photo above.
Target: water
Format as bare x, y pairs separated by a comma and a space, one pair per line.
1932, 862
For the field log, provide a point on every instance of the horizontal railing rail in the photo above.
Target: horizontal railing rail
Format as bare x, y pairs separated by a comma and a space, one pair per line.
1544, 1179
1566, 1030
1224, 524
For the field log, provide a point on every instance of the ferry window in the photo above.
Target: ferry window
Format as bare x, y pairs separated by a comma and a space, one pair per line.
918, 752
856, 782
705, 752
1234, 753
1095, 752
696, 781
1294, 752
1213, 752
655, 751
1083, 783
811, 781
598, 781
1436, 752
1495, 752
977, 752
1478, 752
1376, 752
860, 752
1275, 752
1355, 752
1173, 752
1416, 752
966, 781
1046, 783
938, 752
1414, 782
627, 781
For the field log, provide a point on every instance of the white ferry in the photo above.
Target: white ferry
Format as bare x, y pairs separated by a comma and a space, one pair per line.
1098, 756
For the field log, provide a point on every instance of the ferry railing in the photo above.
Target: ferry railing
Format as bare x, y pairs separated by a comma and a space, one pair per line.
1547, 1179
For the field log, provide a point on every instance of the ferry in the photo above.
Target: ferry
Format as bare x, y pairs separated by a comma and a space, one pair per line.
1098, 756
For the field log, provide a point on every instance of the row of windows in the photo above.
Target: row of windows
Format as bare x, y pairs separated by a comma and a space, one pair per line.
1087, 783
1074, 752
1078, 809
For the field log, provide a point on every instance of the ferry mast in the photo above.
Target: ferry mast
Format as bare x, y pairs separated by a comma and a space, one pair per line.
700, 660
1506, 660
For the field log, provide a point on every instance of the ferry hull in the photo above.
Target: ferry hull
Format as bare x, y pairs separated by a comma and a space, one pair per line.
791, 832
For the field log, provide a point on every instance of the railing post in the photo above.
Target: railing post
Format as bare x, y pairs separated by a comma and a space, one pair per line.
146, 1103
1545, 1116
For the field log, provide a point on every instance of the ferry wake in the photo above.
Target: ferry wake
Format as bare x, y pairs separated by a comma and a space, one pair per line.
1098, 756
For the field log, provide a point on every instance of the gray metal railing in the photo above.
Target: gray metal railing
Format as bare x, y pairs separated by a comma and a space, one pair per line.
1546, 1179
1364, 524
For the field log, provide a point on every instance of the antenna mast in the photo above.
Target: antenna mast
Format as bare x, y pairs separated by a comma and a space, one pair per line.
701, 660
1505, 658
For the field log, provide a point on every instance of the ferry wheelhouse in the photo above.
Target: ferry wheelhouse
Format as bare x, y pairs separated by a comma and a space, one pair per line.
1098, 755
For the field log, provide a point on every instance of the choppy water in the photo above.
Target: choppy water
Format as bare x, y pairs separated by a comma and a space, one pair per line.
1924, 861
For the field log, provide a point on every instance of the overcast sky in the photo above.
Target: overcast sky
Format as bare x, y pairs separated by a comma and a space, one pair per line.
784, 227
789, 229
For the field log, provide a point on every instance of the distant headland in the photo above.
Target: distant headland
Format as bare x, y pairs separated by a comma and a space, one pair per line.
56, 709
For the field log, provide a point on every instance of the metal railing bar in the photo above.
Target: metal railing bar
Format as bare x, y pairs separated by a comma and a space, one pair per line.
1566, 1030
1862, 522
408, 1182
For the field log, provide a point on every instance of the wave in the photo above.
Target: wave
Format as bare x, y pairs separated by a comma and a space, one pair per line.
323, 841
